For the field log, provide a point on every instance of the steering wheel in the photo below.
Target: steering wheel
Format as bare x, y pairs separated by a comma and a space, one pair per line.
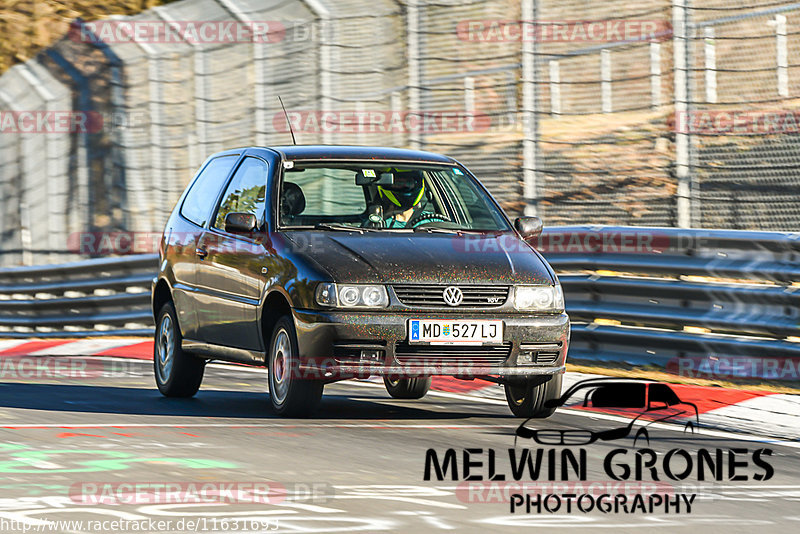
429, 218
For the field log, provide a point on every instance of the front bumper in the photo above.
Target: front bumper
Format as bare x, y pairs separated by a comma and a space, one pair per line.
330, 342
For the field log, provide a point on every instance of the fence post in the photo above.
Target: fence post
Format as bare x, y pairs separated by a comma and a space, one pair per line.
325, 88
259, 117
325, 64
782, 55
469, 95
22, 211
158, 185
711, 65
412, 36
555, 88
681, 111
655, 75
55, 228
198, 151
361, 122
79, 215
605, 77
397, 110
530, 187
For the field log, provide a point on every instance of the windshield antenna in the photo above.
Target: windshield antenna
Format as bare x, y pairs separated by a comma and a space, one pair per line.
294, 142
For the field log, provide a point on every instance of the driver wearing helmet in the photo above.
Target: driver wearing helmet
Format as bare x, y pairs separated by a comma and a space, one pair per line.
404, 201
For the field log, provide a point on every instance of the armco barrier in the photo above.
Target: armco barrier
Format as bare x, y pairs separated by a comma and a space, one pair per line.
634, 294
86, 298
661, 295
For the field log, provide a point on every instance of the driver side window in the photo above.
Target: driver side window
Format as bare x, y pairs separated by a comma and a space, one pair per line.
246, 192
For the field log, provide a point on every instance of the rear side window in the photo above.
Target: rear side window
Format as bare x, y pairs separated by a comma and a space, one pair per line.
245, 193
202, 196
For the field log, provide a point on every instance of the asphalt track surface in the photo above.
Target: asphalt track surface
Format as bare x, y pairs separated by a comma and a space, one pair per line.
356, 466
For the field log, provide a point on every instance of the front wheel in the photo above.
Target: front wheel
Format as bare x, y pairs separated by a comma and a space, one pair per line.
178, 374
407, 388
527, 398
290, 395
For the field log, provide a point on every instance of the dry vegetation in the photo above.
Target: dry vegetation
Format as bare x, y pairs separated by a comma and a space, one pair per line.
27, 26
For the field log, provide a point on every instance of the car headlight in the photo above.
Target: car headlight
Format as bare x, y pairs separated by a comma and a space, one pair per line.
539, 298
352, 295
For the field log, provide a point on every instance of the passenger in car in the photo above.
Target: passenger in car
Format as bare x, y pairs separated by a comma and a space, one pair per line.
405, 204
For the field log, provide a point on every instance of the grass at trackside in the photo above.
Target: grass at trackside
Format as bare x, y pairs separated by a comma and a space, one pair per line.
629, 371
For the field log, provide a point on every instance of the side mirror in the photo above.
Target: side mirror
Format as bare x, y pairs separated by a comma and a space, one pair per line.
240, 223
528, 227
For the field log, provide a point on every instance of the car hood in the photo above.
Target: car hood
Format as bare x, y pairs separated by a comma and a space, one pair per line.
422, 258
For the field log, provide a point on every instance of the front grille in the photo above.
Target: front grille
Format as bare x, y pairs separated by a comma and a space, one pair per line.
479, 355
431, 296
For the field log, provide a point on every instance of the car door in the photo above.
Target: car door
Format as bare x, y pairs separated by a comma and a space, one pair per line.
229, 271
182, 238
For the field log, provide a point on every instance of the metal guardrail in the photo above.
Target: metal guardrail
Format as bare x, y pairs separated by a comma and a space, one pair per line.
659, 295
634, 294
86, 298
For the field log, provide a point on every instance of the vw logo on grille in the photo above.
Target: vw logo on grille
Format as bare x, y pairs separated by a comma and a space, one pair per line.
452, 295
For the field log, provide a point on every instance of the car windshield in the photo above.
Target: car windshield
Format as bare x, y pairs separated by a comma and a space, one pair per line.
385, 197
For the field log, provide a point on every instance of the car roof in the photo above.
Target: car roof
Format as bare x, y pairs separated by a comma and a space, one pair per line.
341, 152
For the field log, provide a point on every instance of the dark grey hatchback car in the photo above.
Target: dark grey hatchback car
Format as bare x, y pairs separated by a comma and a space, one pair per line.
324, 263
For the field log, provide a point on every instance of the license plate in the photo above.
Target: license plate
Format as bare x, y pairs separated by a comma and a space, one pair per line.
446, 332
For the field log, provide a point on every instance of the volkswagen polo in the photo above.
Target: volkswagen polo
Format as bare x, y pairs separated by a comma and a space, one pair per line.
323, 263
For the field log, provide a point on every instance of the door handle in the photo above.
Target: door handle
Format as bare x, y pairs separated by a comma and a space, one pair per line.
201, 253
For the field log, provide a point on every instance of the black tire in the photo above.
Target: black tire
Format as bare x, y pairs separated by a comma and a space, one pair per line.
177, 373
289, 393
527, 398
407, 388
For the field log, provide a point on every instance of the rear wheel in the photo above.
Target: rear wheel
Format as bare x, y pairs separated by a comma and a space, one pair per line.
527, 398
290, 395
407, 388
178, 374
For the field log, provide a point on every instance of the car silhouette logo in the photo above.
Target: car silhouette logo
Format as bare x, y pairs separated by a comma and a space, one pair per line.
452, 295
649, 401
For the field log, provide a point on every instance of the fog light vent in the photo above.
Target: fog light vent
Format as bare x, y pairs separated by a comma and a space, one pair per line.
526, 357
538, 353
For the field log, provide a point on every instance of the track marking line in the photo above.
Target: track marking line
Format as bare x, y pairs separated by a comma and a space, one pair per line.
80, 347
704, 432
608, 417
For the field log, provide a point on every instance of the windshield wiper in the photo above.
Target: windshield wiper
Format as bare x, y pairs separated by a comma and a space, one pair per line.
437, 230
338, 227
